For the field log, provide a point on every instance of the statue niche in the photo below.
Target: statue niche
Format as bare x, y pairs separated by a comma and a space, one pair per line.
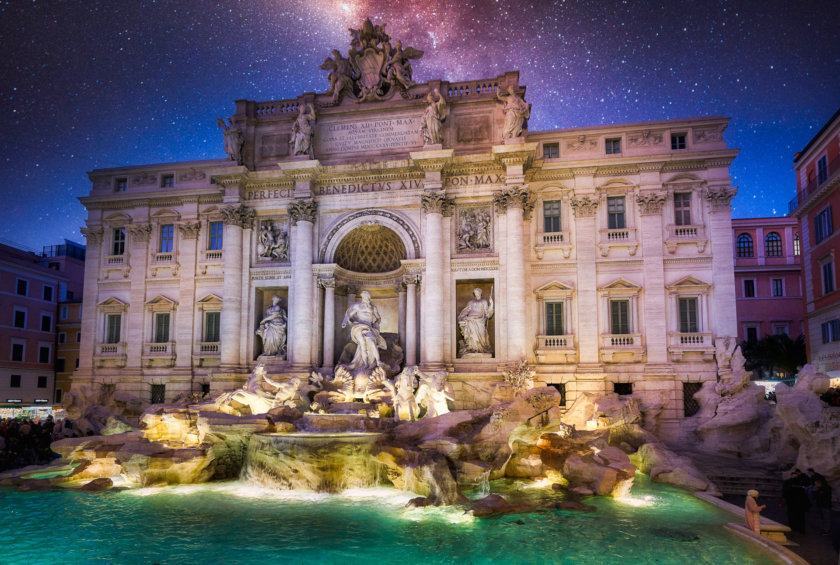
370, 354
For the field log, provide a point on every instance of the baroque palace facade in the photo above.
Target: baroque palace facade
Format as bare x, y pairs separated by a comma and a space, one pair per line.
605, 253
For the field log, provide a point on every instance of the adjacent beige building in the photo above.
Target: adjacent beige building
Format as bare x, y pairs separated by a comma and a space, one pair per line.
607, 250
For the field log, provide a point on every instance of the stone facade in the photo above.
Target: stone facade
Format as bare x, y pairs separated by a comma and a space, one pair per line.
817, 196
568, 231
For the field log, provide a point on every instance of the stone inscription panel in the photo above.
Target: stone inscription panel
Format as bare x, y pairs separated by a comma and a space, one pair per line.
374, 135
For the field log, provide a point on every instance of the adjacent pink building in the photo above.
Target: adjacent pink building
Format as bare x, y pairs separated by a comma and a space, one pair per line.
768, 277
816, 205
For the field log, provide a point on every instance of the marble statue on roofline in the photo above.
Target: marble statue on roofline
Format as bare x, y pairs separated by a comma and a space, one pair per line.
516, 112
234, 140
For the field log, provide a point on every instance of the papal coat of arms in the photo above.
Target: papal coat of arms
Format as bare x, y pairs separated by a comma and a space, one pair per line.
373, 68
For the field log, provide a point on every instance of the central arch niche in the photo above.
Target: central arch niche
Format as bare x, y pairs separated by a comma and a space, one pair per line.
370, 248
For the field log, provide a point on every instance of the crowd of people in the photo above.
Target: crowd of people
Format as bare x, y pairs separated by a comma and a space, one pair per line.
803, 490
831, 396
27, 442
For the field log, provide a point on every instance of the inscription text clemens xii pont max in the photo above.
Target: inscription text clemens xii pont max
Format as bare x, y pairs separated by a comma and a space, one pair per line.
375, 135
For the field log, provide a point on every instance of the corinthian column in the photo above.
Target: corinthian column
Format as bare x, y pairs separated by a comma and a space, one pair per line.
235, 219
301, 304
329, 322
431, 344
411, 321
515, 201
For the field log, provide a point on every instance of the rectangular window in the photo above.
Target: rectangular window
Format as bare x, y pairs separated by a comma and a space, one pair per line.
619, 316
828, 277
14, 382
77, 362
20, 319
167, 181
118, 247
682, 209
677, 141
162, 328
823, 225
158, 394
211, 326
778, 287
688, 315
64, 312
43, 354
623, 389
752, 334
17, 351
822, 169
780, 329
42, 382
120, 184
554, 318
78, 337
690, 405
551, 216
62, 337
830, 331
46, 323
22, 287
58, 396
60, 365
551, 150
216, 232
613, 146
749, 288
615, 212
112, 328
167, 234
48, 293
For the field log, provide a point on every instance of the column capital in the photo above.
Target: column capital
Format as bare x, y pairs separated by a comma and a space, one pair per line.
411, 278
241, 216
584, 207
303, 211
651, 203
436, 202
140, 233
327, 283
93, 235
517, 196
189, 230
720, 198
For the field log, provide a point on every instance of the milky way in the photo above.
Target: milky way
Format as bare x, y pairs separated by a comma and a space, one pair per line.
88, 85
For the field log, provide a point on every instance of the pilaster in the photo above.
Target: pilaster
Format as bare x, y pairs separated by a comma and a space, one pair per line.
139, 235
301, 303
723, 263
585, 211
235, 220
650, 205
184, 330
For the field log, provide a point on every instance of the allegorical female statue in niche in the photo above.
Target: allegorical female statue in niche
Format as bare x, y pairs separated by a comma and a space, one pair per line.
473, 324
272, 329
364, 319
432, 120
516, 112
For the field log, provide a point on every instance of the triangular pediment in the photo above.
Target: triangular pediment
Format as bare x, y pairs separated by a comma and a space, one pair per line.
161, 300
210, 299
688, 282
553, 286
621, 284
111, 301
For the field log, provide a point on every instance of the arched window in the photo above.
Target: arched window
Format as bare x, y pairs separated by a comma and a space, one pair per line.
796, 249
745, 245
772, 245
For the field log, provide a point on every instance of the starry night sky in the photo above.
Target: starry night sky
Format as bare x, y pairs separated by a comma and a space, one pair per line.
93, 84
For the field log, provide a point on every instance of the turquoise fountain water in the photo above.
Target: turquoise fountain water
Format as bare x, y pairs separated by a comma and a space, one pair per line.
241, 523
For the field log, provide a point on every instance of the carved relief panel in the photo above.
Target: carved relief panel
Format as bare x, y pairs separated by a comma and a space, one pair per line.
273, 240
474, 230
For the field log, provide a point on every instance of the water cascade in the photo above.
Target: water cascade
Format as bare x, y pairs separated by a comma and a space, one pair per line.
321, 462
